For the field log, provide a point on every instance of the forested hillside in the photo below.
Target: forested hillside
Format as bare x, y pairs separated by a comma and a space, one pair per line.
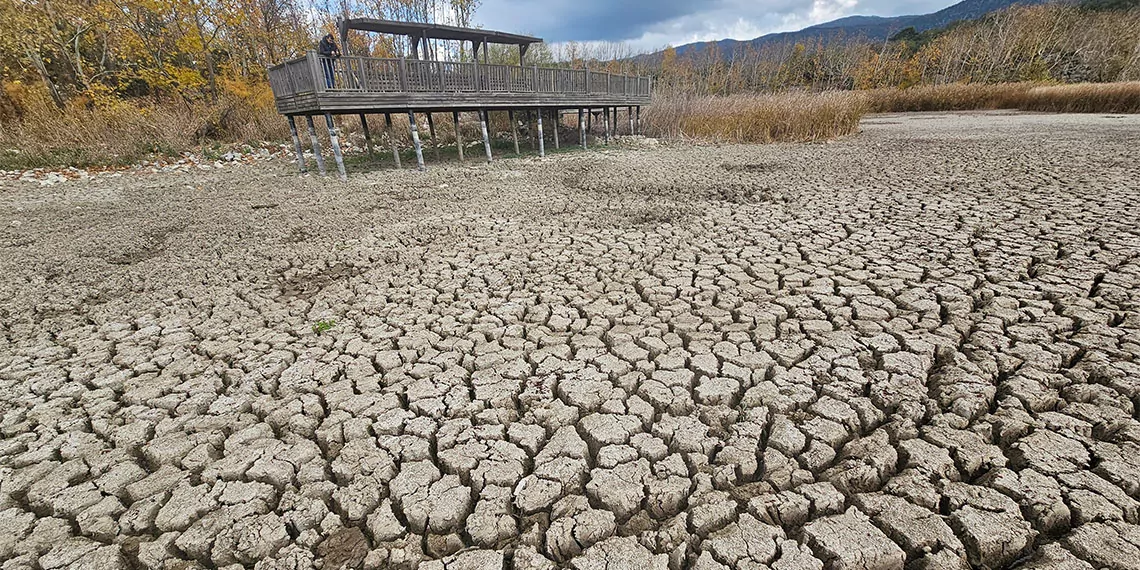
1061, 43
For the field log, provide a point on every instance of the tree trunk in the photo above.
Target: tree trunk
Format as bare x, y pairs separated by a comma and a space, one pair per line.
38, 63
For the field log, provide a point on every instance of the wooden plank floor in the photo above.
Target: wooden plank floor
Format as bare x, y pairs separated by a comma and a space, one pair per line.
356, 102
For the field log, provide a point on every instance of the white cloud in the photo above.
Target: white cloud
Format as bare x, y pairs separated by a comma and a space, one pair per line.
652, 24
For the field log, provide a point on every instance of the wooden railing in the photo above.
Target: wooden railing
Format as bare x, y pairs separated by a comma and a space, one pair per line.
354, 74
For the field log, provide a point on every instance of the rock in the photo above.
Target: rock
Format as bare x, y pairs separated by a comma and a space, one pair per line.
468, 560
850, 541
745, 543
619, 553
992, 539
1106, 545
345, 548
383, 526
575, 527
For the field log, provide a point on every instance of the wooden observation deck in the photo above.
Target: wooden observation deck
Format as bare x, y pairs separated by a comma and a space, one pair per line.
350, 84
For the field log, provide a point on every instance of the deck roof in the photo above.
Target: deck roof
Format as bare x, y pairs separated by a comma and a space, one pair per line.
435, 31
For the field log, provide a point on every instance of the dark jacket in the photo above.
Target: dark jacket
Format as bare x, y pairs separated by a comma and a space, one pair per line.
328, 48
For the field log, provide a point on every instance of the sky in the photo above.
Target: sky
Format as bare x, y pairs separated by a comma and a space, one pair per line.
652, 24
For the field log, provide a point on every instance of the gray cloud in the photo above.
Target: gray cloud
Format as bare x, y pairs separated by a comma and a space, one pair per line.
647, 24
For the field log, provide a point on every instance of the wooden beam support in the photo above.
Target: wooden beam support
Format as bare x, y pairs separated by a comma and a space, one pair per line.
392, 139
297, 144
638, 122
434, 141
367, 135
334, 141
582, 128
458, 135
629, 113
416, 141
541, 142
486, 137
557, 122
606, 124
514, 128
316, 144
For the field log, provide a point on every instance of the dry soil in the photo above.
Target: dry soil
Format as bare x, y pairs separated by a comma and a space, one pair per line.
917, 346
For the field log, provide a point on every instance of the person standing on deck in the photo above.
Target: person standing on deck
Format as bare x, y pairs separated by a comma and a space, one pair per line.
328, 51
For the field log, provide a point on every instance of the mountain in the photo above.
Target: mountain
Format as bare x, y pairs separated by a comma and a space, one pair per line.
867, 27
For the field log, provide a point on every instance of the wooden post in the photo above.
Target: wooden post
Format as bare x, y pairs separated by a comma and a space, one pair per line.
434, 141
606, 123
589, 119
458, 135
486, 137
416, 141
334, 141
541, 142
582, 128
629, 111
514, 128
638, 122
392, 138
320, 82
533, 141
557, 122
367, 135
316, 144
297, 143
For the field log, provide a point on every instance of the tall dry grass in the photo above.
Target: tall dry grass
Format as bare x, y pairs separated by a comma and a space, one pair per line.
1123, 97
804, 116
102, 131
950, 97
755, 118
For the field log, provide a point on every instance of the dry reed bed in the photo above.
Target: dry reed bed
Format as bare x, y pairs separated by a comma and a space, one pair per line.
122, 133
1121, 97
755, 118
802, 116
113, 132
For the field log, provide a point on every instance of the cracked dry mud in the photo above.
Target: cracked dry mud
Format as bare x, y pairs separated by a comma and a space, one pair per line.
915, 347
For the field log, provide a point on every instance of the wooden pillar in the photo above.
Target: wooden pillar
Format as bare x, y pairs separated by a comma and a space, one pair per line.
557, 122
416, 141
638, 122
334, 141
541, 142
434, 141
297, 143
367, 135
613, 122
606, 124
514, 128
534, 142
392, 138
589, 119
458, 135
486, 137
629, 112
582, 128
316, 144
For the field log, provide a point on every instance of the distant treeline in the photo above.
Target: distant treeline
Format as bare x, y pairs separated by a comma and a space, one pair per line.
1097, 41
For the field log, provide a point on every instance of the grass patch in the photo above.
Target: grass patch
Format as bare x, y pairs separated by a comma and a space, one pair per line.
754, 118
102, 130
321, 327
1123, 97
